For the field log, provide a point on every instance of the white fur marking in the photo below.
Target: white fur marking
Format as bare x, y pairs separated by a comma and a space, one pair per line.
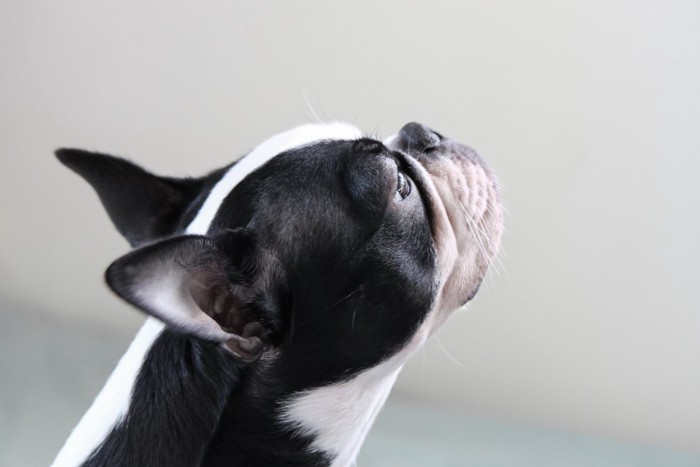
339, 416
282, 142
112, 403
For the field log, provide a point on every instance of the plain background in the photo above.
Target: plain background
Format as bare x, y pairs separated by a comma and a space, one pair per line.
587, 110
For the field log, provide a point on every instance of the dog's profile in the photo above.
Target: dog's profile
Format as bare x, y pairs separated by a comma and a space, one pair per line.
285, 293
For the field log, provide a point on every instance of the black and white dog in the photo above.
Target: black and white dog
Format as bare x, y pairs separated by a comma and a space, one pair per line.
285, 293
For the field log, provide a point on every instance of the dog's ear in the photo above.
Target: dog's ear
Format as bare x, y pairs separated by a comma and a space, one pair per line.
142, 206
222, 289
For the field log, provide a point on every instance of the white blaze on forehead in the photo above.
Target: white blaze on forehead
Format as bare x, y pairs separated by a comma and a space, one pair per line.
112, 403
293, 138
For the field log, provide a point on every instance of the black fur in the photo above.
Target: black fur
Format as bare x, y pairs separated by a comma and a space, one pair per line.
353, 276
347, 254
183, 385
142, 206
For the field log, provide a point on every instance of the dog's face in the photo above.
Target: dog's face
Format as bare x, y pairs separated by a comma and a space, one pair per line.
327, 259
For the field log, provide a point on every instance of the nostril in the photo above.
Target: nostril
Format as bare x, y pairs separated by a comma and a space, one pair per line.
417, 137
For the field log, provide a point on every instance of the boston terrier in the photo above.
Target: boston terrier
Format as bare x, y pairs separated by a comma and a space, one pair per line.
284, 291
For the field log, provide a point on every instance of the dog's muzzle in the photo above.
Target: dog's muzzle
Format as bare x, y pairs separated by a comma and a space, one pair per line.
464, 199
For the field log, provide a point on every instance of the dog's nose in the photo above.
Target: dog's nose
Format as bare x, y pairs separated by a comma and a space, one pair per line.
417, 137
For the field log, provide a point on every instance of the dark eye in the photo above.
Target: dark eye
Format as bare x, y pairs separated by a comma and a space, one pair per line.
403, 186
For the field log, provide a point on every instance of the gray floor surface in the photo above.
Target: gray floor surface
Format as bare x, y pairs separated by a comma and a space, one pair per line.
51, 370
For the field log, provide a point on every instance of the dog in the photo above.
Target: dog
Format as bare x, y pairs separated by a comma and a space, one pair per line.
284, 293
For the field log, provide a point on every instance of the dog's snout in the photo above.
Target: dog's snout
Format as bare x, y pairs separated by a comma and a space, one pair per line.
417, 137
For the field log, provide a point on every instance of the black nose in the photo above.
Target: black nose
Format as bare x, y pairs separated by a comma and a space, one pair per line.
416, 137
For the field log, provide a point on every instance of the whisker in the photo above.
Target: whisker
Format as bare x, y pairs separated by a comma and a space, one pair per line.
481, 235
477, 231
449, 355
348, 296
499, 257
311, 107
500, 251
374, 134
422, 364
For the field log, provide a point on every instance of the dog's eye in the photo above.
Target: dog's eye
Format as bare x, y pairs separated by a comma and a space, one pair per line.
403, 186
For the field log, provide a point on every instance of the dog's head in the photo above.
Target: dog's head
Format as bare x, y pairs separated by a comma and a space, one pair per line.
321, 251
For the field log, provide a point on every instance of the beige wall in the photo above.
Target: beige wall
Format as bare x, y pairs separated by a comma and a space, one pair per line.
589, 111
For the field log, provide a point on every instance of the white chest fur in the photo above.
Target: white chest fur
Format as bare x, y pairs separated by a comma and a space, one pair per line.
340, 415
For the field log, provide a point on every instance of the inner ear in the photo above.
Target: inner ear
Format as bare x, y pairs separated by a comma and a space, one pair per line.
206, 287
230, 307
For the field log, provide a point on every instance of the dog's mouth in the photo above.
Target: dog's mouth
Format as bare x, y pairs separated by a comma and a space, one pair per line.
466, 214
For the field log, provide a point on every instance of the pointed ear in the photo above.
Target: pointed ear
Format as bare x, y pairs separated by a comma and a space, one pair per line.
220, 289
142, 206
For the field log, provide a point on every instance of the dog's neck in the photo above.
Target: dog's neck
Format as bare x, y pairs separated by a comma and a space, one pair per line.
265, 423
341, 415
245, 416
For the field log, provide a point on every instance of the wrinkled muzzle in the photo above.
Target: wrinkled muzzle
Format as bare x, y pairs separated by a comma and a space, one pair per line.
463, 199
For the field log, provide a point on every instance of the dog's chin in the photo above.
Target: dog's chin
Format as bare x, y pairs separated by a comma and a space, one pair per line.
466, 215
